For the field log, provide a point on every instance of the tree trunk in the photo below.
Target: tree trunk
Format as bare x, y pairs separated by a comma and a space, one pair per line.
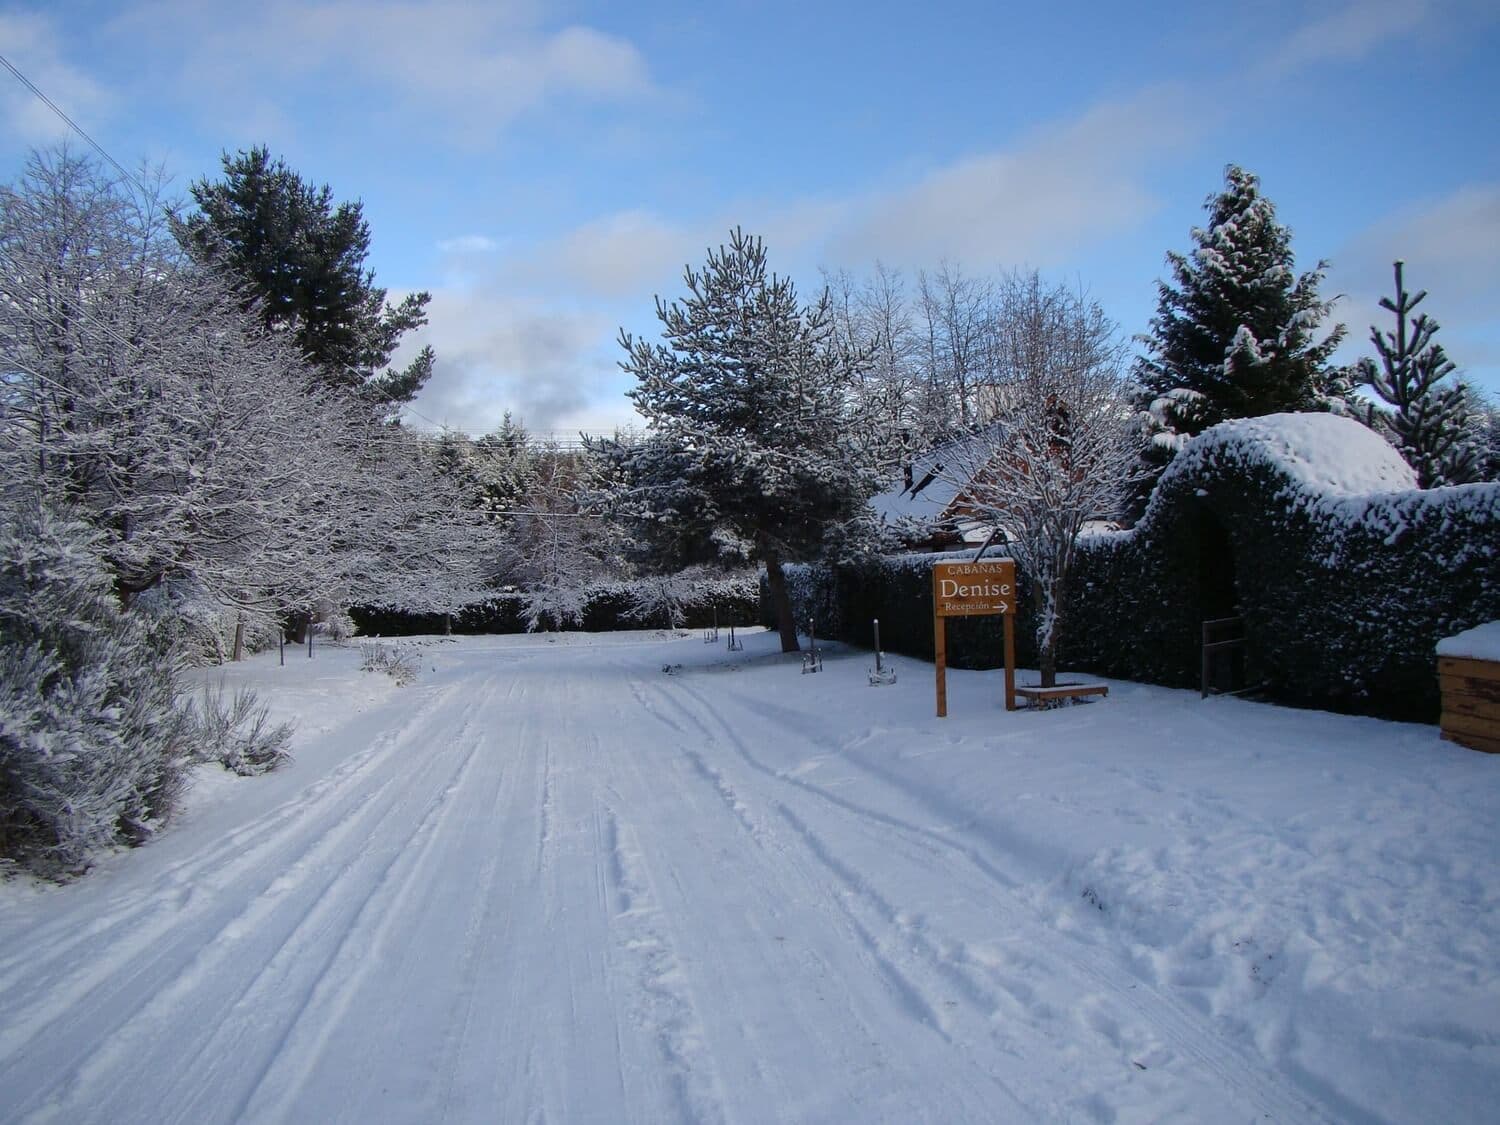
1046, 643
239, 640
782, 602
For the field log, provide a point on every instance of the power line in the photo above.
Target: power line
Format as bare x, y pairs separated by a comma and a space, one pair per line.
77, 128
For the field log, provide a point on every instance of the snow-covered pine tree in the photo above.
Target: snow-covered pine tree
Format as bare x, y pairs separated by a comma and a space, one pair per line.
1236, 332
1485, 433
1429, 420
751, 453
92, 745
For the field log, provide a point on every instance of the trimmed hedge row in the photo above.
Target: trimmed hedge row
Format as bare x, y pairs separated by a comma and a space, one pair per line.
734, 600
845, 600
1344, 597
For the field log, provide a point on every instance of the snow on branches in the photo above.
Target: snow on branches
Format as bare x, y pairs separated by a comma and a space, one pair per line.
1063, 449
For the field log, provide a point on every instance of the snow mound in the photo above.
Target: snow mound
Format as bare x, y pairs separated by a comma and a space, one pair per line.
1323, 453
1479, 643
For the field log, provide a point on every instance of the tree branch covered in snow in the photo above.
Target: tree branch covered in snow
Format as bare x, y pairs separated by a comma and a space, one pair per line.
1063, 449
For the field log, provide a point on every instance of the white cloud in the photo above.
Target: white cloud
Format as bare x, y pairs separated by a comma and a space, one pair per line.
1348, 33
469, 245
620, 255
469, 69
1450, 246
1067, 186
1039, 204
551, 367
31, 42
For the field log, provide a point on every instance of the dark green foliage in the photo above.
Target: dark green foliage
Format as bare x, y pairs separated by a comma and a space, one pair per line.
1429, 420
303, 260
1344, 597
1344, 600
750, 454
844, 600
1234, 335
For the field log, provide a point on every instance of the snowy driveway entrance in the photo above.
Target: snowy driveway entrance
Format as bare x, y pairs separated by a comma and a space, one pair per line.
549, 883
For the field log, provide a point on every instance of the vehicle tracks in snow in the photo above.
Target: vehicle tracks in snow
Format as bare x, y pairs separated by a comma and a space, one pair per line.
950, 956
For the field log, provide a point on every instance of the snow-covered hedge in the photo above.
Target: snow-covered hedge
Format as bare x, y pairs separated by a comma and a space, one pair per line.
1307, 525
93, 748
1346, 575
606, 607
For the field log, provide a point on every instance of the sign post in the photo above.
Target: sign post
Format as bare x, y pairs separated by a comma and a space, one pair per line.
973, 589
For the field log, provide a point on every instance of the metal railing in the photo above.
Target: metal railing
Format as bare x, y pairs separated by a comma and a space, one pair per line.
1223, 643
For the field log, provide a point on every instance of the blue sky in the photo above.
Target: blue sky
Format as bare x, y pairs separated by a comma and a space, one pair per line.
544, 169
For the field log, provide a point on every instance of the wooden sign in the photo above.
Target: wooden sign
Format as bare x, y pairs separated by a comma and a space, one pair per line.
973, 589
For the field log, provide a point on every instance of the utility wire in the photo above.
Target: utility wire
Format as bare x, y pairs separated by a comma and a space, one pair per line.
77, 128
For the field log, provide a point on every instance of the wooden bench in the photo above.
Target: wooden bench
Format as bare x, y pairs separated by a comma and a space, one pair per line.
1045, 697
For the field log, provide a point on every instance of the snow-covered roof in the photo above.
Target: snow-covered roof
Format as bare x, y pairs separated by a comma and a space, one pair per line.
923, 502
1479, 643
938, 477
1324, 453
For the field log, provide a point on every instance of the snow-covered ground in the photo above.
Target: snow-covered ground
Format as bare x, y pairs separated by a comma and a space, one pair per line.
551, 883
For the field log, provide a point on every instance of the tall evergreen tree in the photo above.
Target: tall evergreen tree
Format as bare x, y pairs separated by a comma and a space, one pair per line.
1430, 416
749, 453
1236, 332
303, 259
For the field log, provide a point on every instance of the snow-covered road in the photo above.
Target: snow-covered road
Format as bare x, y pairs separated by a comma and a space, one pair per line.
549, 883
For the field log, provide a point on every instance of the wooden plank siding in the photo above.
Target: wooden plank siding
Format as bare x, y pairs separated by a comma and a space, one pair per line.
1471, 702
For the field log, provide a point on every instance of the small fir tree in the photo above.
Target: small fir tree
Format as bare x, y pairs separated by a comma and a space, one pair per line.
1429, 419
750, 453
1236, 333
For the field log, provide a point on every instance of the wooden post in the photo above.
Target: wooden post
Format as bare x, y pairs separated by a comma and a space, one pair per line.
940, 661
239, 641
973, 589
1010, 661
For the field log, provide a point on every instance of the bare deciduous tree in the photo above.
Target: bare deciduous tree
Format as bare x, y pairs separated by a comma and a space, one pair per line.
1062, 449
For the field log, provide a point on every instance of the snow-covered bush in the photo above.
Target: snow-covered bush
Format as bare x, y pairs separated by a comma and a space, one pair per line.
92, 745
335, 623
237, 733
204, 628
399, 662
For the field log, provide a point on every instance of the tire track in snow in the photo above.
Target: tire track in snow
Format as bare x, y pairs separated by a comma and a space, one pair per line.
291, 875
793, 870
984, 984
356, 956
174, 897
660, 1004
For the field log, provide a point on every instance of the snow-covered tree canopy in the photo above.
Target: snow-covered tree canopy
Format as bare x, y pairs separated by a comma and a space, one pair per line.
140, 394
1236, 333
754, 448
